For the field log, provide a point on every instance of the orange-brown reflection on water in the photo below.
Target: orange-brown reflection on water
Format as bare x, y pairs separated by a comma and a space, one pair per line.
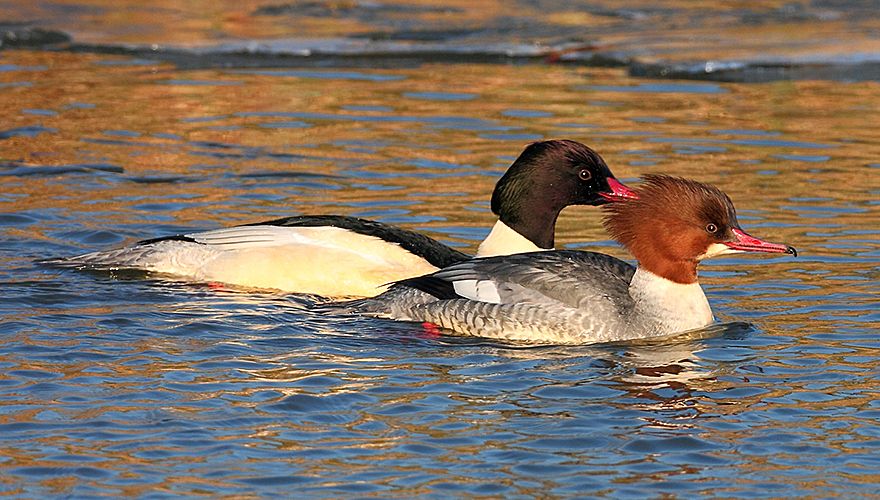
423, 147
699, 134
667, 30
589, 105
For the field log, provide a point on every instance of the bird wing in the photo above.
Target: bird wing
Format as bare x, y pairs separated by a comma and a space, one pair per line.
573, 278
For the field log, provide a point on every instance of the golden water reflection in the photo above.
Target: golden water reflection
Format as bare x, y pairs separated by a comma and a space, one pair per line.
214, 371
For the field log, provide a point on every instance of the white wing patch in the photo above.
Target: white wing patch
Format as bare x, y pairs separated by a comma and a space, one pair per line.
480, 290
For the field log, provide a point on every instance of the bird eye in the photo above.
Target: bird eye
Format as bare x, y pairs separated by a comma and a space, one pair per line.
712, 228
585, 174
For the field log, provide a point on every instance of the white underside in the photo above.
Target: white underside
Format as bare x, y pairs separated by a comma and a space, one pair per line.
326, 261
503, 240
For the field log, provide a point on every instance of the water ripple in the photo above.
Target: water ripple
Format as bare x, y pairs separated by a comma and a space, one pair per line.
129, 384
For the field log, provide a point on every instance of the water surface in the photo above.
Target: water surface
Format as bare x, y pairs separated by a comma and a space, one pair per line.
120, 385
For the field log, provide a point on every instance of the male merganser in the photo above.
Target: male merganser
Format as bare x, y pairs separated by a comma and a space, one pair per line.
335, 255
578, 297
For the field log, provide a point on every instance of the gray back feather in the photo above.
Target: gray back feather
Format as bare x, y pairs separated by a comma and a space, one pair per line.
555, 296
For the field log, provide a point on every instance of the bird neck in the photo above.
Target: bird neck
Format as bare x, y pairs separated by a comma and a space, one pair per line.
503, 240
667, 305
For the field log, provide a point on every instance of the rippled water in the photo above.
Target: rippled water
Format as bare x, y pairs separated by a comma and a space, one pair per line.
125, 385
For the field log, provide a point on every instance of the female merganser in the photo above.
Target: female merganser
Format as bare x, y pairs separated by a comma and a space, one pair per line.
585, 297
335, 255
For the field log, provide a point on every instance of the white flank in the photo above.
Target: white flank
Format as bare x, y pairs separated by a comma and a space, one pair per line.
503, 240
327, 261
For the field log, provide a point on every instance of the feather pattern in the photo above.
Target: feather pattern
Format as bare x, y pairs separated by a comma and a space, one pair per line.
301, 259
337, 255
553, 297
584, 297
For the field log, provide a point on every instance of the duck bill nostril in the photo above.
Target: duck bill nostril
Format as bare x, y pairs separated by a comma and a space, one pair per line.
747, 243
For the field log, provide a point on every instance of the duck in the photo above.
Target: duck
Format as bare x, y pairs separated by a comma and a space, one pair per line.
344, 256
582, 297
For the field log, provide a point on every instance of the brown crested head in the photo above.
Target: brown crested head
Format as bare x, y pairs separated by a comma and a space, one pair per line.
672, 224
675, 223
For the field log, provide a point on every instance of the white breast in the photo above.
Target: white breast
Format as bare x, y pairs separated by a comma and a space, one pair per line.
668, 307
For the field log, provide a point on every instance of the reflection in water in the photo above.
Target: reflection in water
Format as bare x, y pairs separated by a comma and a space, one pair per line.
126, 384
748, 40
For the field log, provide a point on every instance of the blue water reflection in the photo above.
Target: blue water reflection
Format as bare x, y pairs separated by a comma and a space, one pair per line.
125, 383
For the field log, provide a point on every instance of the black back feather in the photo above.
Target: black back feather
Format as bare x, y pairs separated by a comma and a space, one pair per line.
436, 253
